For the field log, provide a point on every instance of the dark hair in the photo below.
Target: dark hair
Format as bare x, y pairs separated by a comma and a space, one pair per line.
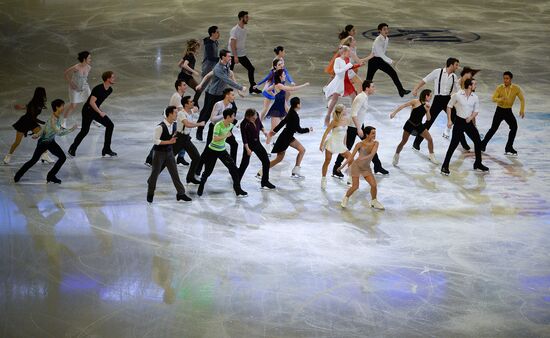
278, 74
294, 102
169, 110
83, 55
468, 83
38, 99
250, 112
107, 75
346, 32
366, 84
223, 53
57, 103
242, 14
212, 30
423, 95
185, 99
367, 130
278, 49
178, 83
228, 112
382, 25
451, 61
275, 63
226, 91
509, 73
467, 70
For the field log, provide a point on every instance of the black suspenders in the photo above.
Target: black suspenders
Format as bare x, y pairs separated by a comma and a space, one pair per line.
439, 84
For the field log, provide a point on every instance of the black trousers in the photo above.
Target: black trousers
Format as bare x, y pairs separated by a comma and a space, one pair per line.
440, 104
234, 147
351, 134
377, 63
260, 151
183, 142
503, 114
245, 62
191, 82
209, 102
210, 157
163, 159
41, 147
461, 127
87, 117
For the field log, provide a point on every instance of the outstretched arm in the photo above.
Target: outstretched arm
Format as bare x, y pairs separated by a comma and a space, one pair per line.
398, 109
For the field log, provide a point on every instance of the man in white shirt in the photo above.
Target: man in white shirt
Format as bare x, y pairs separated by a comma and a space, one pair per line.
184, 124
445, 84
237, 47
164, 139
381, 61
175, 100
358, 119
466, 103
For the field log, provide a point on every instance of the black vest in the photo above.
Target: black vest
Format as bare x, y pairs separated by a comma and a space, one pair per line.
165, 136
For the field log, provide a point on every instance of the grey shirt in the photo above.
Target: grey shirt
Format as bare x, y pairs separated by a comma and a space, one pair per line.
221, 80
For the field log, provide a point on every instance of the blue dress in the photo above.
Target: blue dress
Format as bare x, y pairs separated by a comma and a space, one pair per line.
277, 109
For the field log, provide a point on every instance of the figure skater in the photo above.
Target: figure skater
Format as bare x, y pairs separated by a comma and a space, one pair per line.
341, 84
46, 141
292, 123
250, 131
187, 68
360, 167
29, 122
336, 142
414, 126
77, 77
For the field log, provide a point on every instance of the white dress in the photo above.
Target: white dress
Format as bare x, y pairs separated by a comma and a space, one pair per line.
337, 83
82, 91
335, 141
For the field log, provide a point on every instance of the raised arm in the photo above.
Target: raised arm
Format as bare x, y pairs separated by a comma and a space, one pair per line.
281, 86
398, 109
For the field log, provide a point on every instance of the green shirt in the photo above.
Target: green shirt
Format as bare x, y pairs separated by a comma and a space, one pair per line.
219, 130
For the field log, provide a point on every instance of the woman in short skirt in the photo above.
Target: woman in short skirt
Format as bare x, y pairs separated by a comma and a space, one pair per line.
414, 125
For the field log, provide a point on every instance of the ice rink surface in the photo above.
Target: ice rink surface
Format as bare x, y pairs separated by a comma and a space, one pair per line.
464, 255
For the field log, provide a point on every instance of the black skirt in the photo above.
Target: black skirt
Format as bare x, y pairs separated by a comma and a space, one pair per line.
414, 129
25, 124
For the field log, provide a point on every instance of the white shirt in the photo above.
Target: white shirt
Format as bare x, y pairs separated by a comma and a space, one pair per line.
239, 34
175, 100
447, 81
158, 132
183, 115
359, 109
379, 48
217, 111
465, 105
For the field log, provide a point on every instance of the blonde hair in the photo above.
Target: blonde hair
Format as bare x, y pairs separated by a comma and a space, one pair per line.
192, 46
338, 112
343, 49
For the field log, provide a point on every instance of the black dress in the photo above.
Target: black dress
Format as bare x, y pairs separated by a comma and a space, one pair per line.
292, 122
414, 124
29, 121
184, 74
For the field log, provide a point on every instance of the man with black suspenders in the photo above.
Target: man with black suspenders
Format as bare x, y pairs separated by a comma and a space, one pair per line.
445, 82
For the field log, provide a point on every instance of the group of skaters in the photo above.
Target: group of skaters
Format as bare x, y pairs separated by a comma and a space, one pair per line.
172, 137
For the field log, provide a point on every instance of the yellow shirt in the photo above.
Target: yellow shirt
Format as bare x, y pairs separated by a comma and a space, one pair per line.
505, 96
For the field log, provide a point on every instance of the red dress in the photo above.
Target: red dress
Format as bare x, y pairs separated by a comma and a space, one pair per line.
348, 86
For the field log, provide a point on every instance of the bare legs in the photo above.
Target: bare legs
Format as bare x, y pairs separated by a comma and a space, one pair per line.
355, 185
18, 137
294, 144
